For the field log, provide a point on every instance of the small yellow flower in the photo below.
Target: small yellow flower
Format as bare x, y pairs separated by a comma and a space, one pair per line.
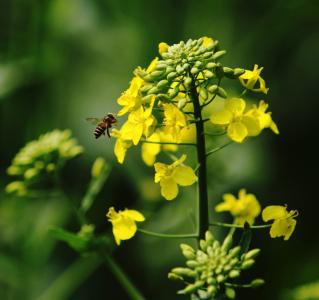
162, 48
263, 117
140, 122
238, 125
244, 209
250, 78
98, 167
121, 145
170, 176
207, 41
284, 222
124, 223
150, 150
131, 99
174, 121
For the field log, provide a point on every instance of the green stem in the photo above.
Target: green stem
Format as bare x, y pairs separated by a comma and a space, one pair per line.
217, 149
168, 143
202, 169
228, 225
167, 235
131, 290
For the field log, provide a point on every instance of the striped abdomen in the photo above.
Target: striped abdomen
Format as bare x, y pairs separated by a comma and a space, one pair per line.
99, 130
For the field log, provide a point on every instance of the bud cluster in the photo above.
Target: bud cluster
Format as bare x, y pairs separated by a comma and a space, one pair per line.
212, 268
192, 63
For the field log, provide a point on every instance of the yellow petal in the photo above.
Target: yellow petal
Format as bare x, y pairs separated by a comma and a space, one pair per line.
252, 124
123, 229
228, 204
134, 215
162, 47
235, 105
222, 117
184, 175
274, 128
169, 188
274, 212
237, 132
283, 227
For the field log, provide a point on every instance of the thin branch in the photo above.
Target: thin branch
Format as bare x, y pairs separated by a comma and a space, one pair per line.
229, 225
168, 143
217, 149
166, 235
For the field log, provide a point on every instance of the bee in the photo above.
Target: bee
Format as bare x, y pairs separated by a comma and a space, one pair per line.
103, 124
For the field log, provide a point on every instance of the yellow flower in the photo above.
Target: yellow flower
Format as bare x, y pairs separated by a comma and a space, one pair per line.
162, 48
207, 41
284, 222
250, 78
140, 122
131, 99
124, 223
121, 145
238, 125
170, 176
244, 209
174, 121
263, 117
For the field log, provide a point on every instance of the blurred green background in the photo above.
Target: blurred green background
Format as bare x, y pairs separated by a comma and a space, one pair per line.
62, 61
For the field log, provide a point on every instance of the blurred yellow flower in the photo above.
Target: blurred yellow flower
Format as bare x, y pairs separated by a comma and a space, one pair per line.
250, 78
244, 209
207, 41
162, 47
174, 121
170, 176
284, 223
124, 223
150, 150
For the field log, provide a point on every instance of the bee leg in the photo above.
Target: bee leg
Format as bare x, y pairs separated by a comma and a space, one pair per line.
108, 132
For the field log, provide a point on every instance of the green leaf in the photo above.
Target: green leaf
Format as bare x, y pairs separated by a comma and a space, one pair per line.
245, 239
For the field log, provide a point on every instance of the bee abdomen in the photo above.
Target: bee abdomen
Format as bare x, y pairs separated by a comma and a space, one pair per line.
99, 130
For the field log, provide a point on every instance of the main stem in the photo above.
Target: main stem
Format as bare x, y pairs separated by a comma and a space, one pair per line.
202, 169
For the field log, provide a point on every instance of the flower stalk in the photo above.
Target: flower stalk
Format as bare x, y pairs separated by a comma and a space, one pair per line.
202, 169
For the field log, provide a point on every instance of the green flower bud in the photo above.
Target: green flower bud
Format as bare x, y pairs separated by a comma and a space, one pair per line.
179, 69
185, 66
234, 273
189, 254
209, 237
170, 69
184, 272
211, 290
198, 63
191, 288
211, 281
171, 75
203, 93
162, 83
145, 88
234, 252
220, 278
172, 93
186, 247
208, 74
187, 81
238, 71
161, 66
156, 74
192, 263
230, 293
194, 70
97, 167
181, 103
221, 92
153, 90
219, 54
257, 282
203, 245
30, 173
207, 55
251, 254
174, 277
211, 65
227, 243
247, 264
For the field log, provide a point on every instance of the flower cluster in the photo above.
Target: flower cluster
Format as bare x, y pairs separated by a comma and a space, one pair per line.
41, 157
246, 208
212, 268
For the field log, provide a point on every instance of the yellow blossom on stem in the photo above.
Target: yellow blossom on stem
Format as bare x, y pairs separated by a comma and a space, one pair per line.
264, 118
284, 223
140, 122
238, 125
121, 145
174, 121
162, 47
249, 80
124, 223
244, 209
170, 176
150, 150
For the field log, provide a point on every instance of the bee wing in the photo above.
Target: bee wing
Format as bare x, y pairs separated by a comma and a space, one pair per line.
94, 121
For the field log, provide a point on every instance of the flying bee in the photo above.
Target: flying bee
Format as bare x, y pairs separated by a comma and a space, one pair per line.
102, 124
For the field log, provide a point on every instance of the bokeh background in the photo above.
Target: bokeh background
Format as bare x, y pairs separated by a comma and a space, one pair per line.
62, 61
